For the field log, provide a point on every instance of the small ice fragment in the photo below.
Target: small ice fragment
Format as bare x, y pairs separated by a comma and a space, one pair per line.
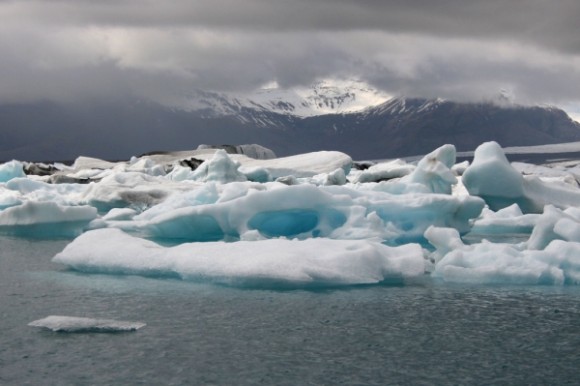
75, 324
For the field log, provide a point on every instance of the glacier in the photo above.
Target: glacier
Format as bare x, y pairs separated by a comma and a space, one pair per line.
309, 220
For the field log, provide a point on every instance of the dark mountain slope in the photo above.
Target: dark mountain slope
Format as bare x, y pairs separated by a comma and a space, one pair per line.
399, 127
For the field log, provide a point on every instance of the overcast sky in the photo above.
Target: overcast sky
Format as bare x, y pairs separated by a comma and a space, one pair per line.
456, 49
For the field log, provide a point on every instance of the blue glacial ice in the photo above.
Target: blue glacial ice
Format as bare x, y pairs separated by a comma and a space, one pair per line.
10, 170
305, 220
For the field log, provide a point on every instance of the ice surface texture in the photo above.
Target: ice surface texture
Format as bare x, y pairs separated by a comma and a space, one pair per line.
489, 263
75, 324
311, 262
306, 220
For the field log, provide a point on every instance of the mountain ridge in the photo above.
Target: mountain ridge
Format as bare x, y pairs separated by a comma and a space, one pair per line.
397, 127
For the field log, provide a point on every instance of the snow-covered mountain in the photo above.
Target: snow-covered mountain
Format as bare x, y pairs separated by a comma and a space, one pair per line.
323, 97
351, 117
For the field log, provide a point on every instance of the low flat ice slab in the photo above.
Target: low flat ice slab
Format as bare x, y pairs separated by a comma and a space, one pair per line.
76, 324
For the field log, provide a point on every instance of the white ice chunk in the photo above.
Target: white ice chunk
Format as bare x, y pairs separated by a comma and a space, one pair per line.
252, 151
460, 168
202, 195
120, 214
506, 220
9, 198
83, 163
76, 324
256, 174
311, 262
555, 224
46, 219
434, 170
491, 177
547, 174
302, 165
489, 263
336, 177
221, 168
147, 166
10, 170
128, 189
568, 229
543, 232
38, 191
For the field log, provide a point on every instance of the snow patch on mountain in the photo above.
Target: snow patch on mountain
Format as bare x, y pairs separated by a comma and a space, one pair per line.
402, 105
323, 97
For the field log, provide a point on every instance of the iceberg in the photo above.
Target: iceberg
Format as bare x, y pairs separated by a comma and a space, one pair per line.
501, 263
252, 151
306, 220
46, 219
509, 220
10, 170
76, 324
434, 170
492, 178
221, 168
305, 210
274, 262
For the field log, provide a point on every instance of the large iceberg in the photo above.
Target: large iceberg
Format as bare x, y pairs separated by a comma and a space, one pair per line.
304, 221
311, 262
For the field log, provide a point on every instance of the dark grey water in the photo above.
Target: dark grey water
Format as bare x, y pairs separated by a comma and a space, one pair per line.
197, 334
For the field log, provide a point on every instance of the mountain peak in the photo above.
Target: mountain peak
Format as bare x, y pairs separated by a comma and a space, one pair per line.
322, 97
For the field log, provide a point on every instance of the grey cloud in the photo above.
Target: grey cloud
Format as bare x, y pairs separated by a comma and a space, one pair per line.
549, 23
68, 49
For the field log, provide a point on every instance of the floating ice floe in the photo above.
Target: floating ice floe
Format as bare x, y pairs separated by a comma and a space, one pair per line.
46, 219
311, 262
75, 324
306, 220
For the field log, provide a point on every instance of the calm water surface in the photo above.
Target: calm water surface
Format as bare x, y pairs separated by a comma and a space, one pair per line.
201, 334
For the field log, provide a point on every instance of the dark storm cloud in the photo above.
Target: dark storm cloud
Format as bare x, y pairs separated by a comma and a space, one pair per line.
550, 23
161, 49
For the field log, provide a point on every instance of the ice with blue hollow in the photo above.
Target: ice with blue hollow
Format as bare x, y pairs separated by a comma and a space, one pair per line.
306, 220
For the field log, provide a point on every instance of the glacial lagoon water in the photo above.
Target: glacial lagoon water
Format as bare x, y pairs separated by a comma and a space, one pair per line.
426, 333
